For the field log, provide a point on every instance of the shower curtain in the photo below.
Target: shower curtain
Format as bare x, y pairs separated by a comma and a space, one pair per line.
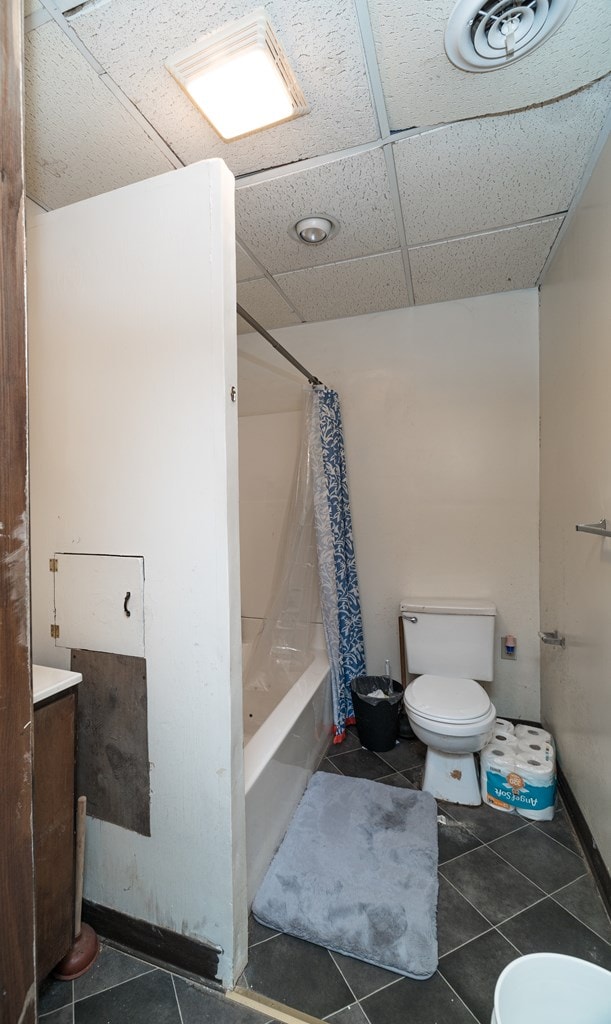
339, 591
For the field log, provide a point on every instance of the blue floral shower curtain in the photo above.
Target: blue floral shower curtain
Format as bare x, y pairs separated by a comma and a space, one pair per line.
339, 590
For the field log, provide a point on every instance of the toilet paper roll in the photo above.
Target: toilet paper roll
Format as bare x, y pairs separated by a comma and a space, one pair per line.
496, 763
538, 749
531, 733
534, 787
504, 726
506, 741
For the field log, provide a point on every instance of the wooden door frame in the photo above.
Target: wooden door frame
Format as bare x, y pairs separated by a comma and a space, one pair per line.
17, 953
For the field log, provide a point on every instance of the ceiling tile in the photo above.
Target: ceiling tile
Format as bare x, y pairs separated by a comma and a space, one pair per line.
347, 289
422, 86
29, 6
492, 172
265, 304
354, 190
246, 269
133, 38
80, 141
498, 261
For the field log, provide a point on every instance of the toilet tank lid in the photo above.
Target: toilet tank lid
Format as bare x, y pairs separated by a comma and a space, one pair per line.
448, 606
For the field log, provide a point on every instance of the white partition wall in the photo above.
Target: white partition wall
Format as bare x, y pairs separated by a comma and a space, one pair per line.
134, 452
576, 488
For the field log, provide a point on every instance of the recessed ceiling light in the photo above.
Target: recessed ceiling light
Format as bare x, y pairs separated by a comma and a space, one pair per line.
240, 78
314, 230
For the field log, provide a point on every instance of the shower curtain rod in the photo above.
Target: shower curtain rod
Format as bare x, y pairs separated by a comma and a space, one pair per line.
276, 344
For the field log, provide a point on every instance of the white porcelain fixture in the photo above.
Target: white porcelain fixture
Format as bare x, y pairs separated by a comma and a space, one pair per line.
449, 643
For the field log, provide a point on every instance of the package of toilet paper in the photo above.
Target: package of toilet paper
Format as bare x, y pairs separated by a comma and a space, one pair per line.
516, 780
504, 741
530, 733
496, 764
537, 748
537, 794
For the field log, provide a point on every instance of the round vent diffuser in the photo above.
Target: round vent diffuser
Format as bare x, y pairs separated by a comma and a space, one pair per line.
489, 35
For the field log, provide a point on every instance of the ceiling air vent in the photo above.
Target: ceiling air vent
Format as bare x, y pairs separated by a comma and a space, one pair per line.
489, 35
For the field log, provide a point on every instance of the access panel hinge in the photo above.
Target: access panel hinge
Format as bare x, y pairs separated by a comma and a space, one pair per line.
53, 566
55, 632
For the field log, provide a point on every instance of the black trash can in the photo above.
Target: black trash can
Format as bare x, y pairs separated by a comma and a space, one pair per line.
377, 718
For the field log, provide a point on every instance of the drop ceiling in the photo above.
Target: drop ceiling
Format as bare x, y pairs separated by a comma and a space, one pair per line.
446, 184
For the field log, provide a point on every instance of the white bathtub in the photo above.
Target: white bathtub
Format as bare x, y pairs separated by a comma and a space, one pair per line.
289, 738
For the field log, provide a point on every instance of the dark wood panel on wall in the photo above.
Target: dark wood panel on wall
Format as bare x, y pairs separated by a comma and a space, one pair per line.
54, 804
113, 759
17, 987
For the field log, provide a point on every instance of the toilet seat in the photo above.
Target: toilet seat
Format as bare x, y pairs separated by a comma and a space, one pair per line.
447, 700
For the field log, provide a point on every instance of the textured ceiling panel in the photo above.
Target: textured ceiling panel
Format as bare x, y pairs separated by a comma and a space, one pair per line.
422, 87
80, 141
353, 190
29, 6
348, 289
323, 45
265, 304
494, 262
246, 269
487, 173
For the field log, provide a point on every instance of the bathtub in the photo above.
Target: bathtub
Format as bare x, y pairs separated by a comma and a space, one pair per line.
284, 741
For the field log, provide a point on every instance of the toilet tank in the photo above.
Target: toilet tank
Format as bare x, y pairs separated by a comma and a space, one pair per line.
449, 637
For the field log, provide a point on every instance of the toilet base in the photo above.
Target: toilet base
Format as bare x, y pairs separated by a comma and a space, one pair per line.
451, 777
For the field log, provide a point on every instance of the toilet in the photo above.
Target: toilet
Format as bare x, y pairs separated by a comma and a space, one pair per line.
449, 644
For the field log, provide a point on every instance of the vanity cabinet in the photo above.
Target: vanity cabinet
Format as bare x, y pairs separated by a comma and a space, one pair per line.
54, 826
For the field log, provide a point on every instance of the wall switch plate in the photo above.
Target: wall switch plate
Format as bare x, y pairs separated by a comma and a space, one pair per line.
504, 655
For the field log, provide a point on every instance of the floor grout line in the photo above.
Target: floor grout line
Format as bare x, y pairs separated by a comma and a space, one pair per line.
177, 999
532, 882
575, 916
468, 942
461, 893
460, 999
558, 841
119, 983
356, 998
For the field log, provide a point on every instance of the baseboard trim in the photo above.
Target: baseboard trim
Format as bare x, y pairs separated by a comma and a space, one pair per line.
597, 864
159, 945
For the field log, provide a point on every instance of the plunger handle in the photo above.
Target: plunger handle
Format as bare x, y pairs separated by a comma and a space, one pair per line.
81, 824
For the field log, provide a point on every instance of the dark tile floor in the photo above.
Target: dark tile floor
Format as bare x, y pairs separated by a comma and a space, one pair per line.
506, 887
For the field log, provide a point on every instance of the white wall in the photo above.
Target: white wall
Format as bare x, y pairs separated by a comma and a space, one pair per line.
440, 408
134, 451
576, 488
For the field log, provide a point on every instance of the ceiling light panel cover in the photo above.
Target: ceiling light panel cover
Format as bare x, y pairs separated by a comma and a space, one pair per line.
489, 173
498, 261
348, 289
421, 85
133, 38
80, 141
354, 191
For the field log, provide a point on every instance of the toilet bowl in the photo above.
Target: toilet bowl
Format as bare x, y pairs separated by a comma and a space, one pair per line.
448, 645
455, 718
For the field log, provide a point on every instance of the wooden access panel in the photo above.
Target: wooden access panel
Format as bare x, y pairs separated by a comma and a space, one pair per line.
113, 756
17, 988
54, 807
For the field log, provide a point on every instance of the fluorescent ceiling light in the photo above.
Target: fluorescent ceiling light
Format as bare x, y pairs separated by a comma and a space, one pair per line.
239, 77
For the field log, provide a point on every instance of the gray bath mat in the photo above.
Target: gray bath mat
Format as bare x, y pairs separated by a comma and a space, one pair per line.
357, 873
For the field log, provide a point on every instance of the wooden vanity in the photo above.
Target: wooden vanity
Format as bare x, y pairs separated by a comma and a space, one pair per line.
54, 771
